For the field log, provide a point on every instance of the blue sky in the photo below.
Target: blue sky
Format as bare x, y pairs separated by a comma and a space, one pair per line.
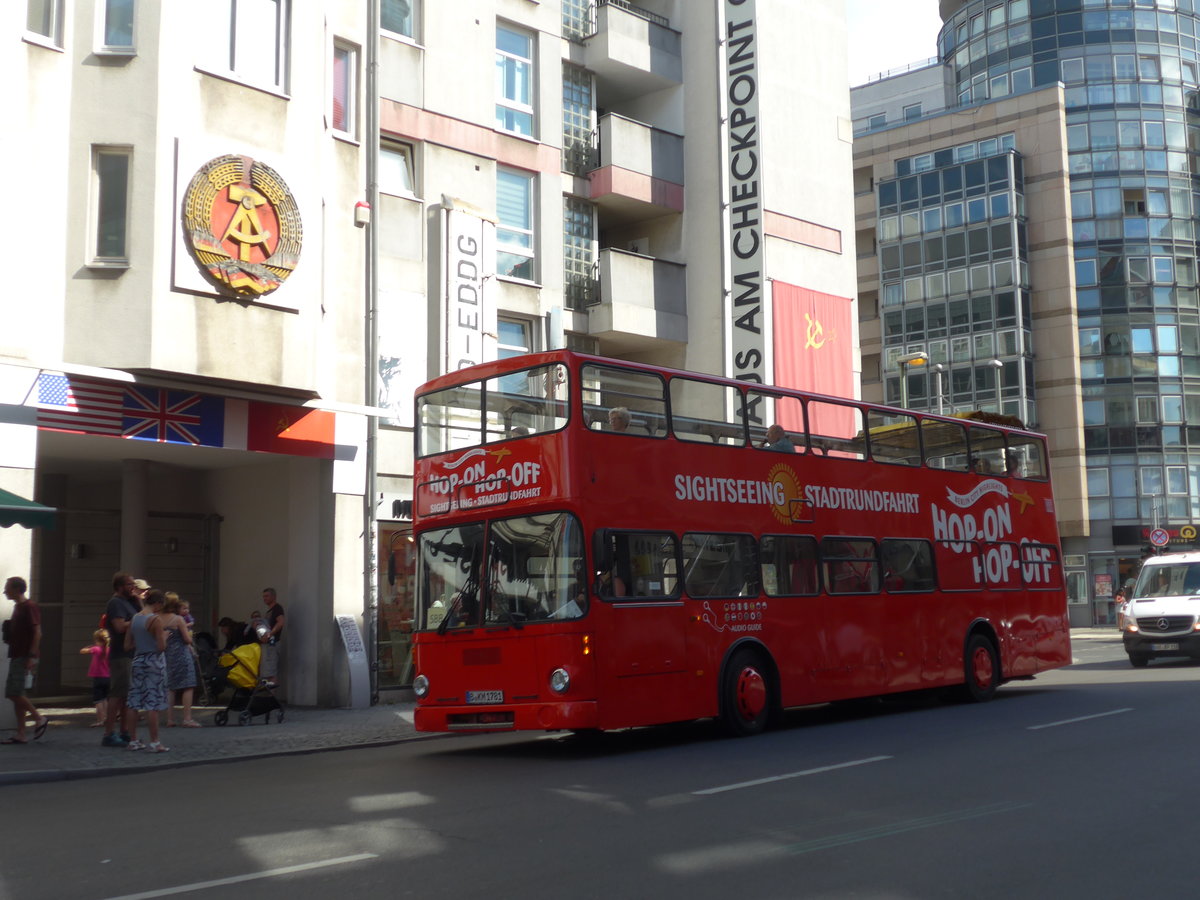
885, 34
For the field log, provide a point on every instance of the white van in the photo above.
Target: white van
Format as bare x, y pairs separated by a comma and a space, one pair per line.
1163, 617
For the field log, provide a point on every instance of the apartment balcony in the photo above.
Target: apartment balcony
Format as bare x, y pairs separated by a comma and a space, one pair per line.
642, 302
633, 52
640, 174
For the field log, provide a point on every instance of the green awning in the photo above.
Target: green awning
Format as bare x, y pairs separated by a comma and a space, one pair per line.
16, 510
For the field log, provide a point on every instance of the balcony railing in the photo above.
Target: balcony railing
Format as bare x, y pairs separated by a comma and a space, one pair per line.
637, 11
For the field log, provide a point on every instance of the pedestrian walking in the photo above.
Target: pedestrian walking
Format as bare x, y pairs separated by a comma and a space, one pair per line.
24, 636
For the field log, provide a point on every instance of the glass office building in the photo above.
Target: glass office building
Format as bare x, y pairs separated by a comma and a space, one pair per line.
1129, 68
1128, 71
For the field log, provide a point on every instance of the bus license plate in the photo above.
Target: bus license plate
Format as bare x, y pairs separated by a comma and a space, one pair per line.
485, 697
1160, 647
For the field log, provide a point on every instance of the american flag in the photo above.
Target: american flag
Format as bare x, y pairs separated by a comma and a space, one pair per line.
74, 403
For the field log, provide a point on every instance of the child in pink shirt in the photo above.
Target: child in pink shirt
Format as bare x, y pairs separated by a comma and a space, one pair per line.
99, 673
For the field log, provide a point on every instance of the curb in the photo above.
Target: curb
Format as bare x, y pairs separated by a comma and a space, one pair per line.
43, 776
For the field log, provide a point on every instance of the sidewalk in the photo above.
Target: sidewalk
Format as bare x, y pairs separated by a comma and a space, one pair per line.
71, 749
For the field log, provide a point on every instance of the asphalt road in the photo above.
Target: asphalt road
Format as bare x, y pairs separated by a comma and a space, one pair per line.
1077, 784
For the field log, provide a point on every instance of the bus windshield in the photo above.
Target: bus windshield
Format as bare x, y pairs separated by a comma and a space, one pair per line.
523, 569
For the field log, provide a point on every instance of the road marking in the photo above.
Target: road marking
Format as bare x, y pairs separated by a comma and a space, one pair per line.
253, 876
1112, 712
772, 779
870, 834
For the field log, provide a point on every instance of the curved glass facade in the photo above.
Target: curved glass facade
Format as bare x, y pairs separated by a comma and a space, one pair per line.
1129, 69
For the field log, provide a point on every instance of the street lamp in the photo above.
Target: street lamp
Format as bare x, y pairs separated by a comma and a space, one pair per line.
908, 359
939, 370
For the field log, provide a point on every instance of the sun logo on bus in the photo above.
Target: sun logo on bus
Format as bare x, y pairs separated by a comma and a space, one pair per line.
788, 507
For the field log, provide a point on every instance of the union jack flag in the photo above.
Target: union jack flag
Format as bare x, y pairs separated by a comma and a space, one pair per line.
173, 417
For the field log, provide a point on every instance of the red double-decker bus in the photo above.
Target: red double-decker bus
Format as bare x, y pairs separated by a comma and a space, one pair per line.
603, 544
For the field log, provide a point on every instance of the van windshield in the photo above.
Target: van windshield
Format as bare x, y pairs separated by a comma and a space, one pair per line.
1168, 580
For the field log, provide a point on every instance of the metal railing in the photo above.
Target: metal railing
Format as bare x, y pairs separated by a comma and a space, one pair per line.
637, 11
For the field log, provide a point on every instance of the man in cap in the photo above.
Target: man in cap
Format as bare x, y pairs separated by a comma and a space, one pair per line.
124, 604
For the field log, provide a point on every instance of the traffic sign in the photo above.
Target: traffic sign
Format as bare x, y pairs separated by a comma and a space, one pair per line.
1159, 537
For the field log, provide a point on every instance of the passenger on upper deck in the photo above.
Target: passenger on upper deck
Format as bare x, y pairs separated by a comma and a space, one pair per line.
778, 440
619, 419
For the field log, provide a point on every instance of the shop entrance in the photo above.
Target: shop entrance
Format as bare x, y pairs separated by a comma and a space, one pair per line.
397, 571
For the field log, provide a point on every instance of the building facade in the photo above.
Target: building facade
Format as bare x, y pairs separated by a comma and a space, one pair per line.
642, 180
1124, 244
267, 223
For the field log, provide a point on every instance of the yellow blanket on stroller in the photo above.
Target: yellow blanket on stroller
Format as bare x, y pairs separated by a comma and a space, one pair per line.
242, 663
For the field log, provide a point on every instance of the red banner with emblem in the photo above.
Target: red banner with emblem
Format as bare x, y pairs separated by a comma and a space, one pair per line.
813, 347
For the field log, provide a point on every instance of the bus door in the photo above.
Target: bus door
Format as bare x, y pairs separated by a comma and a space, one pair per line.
858, 627
641, 650
910, 603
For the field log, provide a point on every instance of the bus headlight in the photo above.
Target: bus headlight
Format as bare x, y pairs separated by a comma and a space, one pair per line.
420, 686
560, 681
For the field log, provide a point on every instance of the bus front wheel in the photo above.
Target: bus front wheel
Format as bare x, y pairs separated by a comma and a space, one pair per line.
981, 666
745, 695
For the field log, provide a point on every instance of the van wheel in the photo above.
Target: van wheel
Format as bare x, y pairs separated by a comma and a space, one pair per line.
745, 699
1139, 660
981, 670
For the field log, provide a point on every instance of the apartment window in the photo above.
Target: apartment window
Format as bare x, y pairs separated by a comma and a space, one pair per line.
877, 121
912, 113
515, 338
514, 80
252, 40
45, 17
514, 229
345, 88
398, 17
579, 253
578, 153
110, 204
396, 170
577, 19
117, 23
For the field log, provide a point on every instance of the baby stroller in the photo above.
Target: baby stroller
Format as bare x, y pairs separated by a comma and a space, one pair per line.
252, 696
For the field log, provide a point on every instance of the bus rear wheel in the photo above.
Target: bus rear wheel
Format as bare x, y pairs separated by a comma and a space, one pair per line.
745, 695
981, 665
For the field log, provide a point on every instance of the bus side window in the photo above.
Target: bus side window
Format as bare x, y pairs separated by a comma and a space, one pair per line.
637, 564
719, 565
642, 395
987, 451
945, 445
851, 565
1028, 458
893, 438
707, 413
836, 429
907, 565
790, 565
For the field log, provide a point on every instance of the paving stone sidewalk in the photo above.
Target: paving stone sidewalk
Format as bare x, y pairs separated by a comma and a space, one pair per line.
71, 748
